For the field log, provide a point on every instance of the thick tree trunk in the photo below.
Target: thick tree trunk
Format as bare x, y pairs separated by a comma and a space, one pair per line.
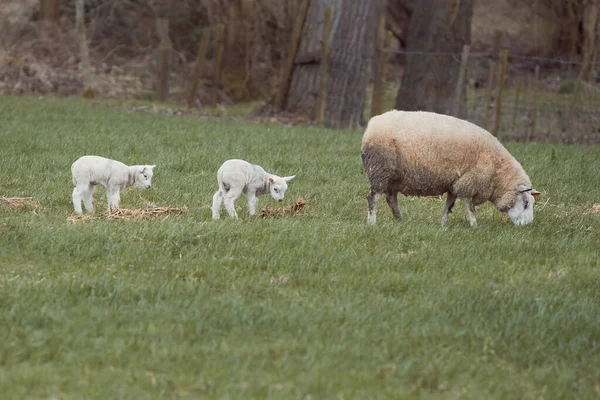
50, 10
429, 81
352, 48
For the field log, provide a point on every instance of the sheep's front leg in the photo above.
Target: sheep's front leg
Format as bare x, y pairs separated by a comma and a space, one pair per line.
450, 200
392, 200
229, 200
216, 205
372, 201
252, 203
114, 198
471, 212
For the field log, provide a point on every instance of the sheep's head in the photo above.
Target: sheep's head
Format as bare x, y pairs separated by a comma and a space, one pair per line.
521, 213
144, 176
278, 186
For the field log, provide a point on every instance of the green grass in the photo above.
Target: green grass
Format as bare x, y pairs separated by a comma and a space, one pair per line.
317, 306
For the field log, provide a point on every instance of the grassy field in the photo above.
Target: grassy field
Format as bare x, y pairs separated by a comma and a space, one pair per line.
315, 306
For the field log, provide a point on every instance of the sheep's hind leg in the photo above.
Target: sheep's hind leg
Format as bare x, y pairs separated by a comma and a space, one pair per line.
229, 200
87, 198
372, 201
471, 212
450, 199
392, 200
216, 205
77, 200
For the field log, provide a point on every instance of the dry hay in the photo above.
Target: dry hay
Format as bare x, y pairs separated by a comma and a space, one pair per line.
151, 210
596, 209
293, 209
20, 202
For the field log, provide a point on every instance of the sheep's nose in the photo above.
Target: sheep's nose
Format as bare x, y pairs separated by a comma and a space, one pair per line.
280, 200
148, 187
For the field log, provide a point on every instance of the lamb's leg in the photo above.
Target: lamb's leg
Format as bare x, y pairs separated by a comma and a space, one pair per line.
471, 212
392, 200
252, 203
230, 198
114, 198
87, 198
77, 200
372, 201
216, 205
450, 199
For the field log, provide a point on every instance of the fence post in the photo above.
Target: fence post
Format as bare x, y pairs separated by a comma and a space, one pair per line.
499, 94
320, 117
164, 53
490, 90
217, 73
289, 64
535, 89
199, 65
386, 63
461, 79
516, 107
377, 96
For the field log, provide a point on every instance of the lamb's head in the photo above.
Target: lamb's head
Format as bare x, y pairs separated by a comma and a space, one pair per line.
521, 213
278, 186
143, 178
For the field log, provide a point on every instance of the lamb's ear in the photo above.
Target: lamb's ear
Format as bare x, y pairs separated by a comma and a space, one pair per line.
535, 193
271, 179
151, 167
143, 169
288, 178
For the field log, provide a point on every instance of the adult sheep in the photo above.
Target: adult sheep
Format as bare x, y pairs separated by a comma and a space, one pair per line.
427, 154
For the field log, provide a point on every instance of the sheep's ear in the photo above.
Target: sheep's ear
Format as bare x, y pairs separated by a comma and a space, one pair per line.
151, 167
535, 193
271, 179
288, 178
143, 170
523, 188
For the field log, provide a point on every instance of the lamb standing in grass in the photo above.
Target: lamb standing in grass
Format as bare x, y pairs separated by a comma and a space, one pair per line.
90, 171
428, 154
238, 176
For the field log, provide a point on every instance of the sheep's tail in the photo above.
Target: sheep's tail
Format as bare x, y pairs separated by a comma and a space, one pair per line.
378, 165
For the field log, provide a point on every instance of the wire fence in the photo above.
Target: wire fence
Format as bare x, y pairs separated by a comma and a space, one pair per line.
540, 98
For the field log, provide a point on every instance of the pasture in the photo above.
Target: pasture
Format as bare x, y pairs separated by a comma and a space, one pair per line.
312, 306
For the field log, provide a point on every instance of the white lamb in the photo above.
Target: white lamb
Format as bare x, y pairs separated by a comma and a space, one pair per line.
238, 176
90, 171
428, 154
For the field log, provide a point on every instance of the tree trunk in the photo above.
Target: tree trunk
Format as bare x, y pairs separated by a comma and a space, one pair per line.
429, 81
50, 10
351, 55
590, 41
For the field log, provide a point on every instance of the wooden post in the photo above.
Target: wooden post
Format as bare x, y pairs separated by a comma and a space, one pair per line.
50, 10
516, 106
386, 64
320, 117
84, 53
461, 79
289, 64
378, 89
198, 67
492, 66
534, 114
499, 94
217, 73
164, 54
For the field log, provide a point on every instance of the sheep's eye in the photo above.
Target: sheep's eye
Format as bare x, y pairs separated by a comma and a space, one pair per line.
276, 190
145, 176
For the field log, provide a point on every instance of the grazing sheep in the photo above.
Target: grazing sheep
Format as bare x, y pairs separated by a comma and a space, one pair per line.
238, 176
427, 154
89, 171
